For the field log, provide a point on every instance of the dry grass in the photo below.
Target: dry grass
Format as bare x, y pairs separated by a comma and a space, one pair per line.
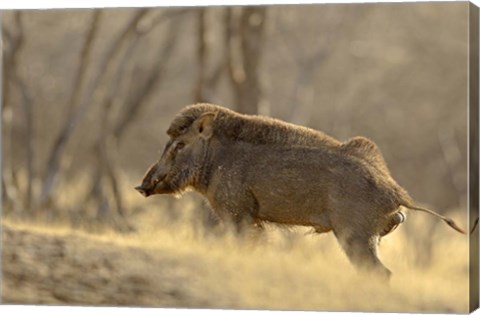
180, 266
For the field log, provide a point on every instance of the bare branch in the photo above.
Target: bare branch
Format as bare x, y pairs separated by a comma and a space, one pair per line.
9, 63
164, 17
135, 102
138, 98
77, 115
13, 76
27, 104
7, 36
228, 42
106, 145
452, 157
16, 42
201, 55
69, 124
243, 71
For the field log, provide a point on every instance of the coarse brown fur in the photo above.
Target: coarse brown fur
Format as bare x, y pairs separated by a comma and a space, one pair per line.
257, 129
254, 169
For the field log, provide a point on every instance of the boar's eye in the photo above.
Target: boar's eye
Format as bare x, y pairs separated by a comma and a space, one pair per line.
179, 146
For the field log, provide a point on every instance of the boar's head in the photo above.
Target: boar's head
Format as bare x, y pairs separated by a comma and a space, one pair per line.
182, 161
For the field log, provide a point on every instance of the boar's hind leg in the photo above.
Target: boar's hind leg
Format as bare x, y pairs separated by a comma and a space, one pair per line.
361, 250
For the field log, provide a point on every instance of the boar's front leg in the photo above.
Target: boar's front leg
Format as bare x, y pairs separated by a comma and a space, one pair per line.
239, 209
245, 222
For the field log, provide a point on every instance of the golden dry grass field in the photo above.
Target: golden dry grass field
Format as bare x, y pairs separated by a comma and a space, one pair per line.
178, 265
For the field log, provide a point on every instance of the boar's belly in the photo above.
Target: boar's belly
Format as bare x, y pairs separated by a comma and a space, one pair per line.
298, 207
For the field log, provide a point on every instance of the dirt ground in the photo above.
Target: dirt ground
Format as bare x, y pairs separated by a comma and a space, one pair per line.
45, 268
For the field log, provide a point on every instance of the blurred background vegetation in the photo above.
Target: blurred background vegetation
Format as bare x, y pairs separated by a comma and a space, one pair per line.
89, 93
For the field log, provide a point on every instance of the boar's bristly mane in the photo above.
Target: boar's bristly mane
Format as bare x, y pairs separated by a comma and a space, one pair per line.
253, 129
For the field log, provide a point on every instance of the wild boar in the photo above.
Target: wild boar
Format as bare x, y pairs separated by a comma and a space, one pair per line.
255, 129
330, 187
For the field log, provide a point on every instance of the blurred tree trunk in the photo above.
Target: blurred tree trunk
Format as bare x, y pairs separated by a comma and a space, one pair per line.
92, 91
107, 172
12, 75
74, 114
10, 46
421, 242
201, 55
209, 73
244, 28
452, 156
302, 100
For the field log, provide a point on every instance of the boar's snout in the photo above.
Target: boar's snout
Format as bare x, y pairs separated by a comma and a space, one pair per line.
142, 190
152, 182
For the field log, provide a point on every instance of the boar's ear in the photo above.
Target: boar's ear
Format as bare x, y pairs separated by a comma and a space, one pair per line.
204, 125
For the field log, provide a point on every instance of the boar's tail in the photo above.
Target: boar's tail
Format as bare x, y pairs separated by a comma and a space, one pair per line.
449, 221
